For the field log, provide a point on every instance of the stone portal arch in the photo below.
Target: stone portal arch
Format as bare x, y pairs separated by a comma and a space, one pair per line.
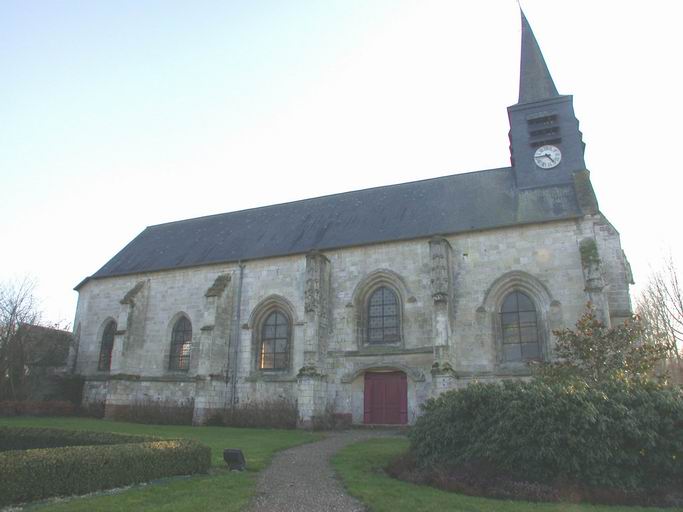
415, 374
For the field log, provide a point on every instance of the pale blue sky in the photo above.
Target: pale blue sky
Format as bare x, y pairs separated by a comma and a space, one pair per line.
118, 115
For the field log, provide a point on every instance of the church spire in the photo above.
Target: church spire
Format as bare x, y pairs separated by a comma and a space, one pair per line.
535, 82
546, 145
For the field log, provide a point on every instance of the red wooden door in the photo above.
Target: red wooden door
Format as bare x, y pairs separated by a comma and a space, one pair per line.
386, 398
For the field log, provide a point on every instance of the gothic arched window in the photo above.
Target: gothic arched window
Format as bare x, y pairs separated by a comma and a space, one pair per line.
383, 316
520, 328
107, 346
181, 342
274, 342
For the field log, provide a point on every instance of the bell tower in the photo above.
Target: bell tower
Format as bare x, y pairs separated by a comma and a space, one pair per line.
546, 145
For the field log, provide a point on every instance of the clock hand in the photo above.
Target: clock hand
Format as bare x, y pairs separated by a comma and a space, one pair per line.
547, 155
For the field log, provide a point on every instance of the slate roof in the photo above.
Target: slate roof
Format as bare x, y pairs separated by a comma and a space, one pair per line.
439, 206
535, 82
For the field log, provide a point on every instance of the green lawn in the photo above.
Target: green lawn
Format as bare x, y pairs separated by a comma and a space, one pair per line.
360, 466
222, 489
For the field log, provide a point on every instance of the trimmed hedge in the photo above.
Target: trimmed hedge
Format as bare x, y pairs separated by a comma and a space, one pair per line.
613, 435
34, 474
17, 438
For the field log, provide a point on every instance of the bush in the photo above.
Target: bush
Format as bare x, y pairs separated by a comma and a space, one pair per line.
37, 408
157, 412
40, 473
612, 435
69, 388
330, 420
280, 413
595, 353
92, 410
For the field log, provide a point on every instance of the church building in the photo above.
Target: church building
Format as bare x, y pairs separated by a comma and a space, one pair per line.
363, 304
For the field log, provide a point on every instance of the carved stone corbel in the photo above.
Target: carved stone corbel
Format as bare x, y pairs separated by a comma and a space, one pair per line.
441, 286
439, 252
316, 306
218, 286
317, 283
129, 297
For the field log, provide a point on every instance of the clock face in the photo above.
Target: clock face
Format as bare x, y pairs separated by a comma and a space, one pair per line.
547, 157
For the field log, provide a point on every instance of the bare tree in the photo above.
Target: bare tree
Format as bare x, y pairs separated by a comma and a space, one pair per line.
18, 306
660, 305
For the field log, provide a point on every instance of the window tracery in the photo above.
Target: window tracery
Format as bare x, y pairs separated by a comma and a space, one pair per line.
383, 316
274, 342
519, 325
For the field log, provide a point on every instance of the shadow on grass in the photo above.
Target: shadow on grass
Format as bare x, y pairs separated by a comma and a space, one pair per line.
361, 468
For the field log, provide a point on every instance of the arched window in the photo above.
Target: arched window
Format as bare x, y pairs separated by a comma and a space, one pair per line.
383, 316
107, 346
181, 342
274, 343
520, 328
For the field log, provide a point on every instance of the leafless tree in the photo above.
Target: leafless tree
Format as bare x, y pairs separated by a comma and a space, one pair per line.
660, 305
18, 306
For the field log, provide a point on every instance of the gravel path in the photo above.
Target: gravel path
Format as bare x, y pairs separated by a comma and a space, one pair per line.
301, 479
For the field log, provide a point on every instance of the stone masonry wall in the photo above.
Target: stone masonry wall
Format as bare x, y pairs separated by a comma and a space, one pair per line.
616, 269
543, 260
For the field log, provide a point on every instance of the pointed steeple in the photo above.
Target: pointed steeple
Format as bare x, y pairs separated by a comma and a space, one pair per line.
541, 121
535, 82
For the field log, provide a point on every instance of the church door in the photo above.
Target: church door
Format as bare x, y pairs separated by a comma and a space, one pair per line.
386, 398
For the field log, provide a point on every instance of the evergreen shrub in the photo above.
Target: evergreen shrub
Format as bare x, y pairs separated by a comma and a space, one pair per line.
34, 474
27, 438
614, 434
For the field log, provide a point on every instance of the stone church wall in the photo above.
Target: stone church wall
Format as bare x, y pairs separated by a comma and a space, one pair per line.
449, 289
543, 260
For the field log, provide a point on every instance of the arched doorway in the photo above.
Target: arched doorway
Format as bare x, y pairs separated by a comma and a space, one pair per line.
385, 398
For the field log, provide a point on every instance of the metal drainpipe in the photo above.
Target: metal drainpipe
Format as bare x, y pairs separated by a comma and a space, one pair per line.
232, 363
